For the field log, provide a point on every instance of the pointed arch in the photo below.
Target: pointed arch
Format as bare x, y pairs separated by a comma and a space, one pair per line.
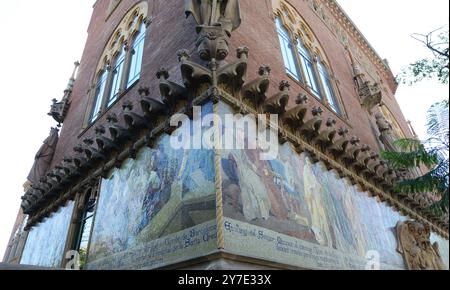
311, 61
120, 63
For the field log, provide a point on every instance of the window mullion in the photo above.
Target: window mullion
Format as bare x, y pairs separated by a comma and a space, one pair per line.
323, 92
108, 88
299, 64
126, 67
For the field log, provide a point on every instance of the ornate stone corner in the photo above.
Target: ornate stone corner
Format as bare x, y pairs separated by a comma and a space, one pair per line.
415, 245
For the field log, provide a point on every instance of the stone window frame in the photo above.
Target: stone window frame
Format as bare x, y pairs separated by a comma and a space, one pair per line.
123, 35
298, 29
73, 235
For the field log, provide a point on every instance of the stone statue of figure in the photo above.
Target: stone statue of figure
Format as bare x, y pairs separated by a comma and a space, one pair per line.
44, 157
225, 13
387, 133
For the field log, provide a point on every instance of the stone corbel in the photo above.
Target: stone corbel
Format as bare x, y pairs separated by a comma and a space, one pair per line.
193, 74
103, 143
294, 118
278, 102
171, 93
133, 120
255, 91
340, 145
234, 73
311, 128
118, 133
326, 137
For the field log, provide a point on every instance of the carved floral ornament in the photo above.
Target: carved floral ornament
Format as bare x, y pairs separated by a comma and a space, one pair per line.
124, 33
304, 128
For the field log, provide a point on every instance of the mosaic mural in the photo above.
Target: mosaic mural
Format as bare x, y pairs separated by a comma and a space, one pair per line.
294, 197
46, 241
162, 202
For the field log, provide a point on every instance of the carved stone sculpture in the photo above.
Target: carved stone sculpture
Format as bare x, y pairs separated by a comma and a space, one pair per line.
414, 243
387, 133
44, 157
216, 20
224, 13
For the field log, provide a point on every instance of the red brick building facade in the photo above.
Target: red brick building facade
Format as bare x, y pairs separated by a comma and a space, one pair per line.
338, 72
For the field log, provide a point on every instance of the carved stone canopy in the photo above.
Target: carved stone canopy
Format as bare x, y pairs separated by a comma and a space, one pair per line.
415, 245
370, 93
58, 110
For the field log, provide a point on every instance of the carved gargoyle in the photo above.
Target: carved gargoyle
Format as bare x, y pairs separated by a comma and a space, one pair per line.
278, 102
370, 95
381, 170
255, 91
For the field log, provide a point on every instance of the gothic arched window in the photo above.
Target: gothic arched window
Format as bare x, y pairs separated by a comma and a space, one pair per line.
328, 88
121, 63
306, 63
287, 50
308, 66
99, 94
117, 74
137, 51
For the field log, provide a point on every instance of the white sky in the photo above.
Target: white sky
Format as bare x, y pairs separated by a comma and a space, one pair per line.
42, 39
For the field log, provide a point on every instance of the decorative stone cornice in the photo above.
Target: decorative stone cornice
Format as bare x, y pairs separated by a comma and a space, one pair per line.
353, 30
